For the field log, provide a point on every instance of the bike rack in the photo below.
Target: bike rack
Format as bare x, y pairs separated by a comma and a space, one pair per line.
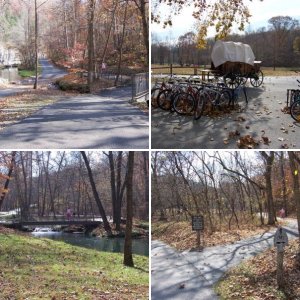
290, 96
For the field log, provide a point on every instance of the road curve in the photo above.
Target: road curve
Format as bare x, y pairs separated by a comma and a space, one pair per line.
192, 275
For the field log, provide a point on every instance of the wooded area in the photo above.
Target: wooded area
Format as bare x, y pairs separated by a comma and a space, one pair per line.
94, 36
225, 187
276, 46
46, 184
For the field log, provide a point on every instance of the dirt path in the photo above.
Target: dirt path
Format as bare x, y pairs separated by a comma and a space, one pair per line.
191, 275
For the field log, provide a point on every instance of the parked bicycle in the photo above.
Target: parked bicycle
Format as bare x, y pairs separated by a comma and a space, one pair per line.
295, 106
213, 96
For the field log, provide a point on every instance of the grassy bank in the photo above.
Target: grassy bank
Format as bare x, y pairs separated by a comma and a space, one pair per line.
43, 269
29, 73
256, 277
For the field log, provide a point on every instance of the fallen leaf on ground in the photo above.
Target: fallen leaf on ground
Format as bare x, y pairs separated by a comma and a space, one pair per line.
247, 142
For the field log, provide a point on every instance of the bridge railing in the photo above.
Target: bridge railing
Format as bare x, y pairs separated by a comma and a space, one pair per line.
140, 87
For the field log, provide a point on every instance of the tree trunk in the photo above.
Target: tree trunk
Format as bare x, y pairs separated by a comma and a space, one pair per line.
96, 195
121, 44
90, 42
128, 260
36, 45
113, 188
283, 183
296, 188
10, 170
141, 4
108, 35
269, 159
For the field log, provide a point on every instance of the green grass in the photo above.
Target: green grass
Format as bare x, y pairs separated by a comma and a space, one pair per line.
29, 73
32, 268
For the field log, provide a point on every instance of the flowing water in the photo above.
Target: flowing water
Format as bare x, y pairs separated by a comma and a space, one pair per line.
139, 246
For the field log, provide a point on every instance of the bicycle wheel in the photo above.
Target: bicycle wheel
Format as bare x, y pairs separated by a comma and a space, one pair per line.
184, 103
164, 99
224, 99
295, 111
154, 94
200, 98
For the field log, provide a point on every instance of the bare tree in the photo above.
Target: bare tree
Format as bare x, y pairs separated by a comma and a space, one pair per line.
128, 260
9, 174
96, 195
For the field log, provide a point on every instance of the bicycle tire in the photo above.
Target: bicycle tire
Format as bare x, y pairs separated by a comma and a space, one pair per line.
154, 94
164, 99
184, 103
295, 111
199, 105
224, 99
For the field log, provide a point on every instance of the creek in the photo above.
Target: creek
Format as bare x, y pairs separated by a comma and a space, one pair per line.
139, 246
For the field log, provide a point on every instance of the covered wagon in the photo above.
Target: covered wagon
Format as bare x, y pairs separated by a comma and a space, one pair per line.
236, 63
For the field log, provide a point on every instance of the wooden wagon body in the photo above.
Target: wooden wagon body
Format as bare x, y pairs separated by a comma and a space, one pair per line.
236, 67
235, 63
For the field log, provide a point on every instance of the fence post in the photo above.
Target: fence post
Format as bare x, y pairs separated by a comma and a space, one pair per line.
171, 69
132, 87
195, 71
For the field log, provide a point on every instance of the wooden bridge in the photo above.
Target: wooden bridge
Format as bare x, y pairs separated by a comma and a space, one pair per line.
59, 222
88, 224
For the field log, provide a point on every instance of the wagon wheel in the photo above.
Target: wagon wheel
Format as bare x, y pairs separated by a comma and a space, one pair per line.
231, 80
257, 79
243, 79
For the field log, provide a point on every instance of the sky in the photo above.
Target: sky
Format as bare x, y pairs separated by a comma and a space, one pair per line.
261, 12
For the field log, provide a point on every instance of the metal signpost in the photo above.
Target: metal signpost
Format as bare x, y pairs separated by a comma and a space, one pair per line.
280, 241
198, 225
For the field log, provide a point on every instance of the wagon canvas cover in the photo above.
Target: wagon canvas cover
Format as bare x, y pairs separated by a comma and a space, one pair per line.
223, 52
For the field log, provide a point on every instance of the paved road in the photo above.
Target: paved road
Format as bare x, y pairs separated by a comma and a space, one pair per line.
49, 73
191, 275
263, 112
105, 121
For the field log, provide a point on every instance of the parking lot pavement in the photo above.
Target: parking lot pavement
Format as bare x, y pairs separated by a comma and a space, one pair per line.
262, 119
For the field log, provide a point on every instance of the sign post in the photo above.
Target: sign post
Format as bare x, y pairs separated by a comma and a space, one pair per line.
280, 241
198, 226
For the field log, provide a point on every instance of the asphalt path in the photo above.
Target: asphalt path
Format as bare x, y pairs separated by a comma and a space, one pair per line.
49, 71
262, 117
49, 74
192, 275
105, 121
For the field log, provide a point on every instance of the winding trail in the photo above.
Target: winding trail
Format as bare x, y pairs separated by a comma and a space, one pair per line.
49, 73
192, 275
89, 121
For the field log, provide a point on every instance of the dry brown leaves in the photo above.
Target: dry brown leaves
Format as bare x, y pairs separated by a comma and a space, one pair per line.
247, 142
21, 105
5, 230
180, 235
256, 278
